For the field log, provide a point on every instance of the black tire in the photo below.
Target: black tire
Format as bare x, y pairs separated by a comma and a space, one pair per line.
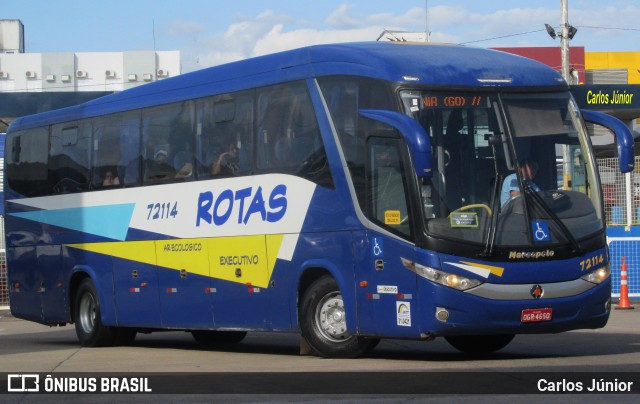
479, 344
218, 337
323, 323
87, 317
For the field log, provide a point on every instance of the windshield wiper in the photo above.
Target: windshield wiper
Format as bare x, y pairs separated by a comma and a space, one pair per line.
538, 201
493, 223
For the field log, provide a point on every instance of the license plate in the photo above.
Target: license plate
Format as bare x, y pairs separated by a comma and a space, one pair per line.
536, 315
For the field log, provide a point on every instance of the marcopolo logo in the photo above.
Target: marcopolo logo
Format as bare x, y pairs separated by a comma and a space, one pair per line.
520, 255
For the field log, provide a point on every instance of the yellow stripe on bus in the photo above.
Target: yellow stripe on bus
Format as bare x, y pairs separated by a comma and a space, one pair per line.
247, 260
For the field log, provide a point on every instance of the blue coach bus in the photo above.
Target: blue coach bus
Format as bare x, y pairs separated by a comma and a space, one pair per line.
348, 192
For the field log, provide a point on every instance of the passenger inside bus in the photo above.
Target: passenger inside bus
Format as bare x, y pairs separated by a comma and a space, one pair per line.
158, 168
226, 164
110, 179
183, 164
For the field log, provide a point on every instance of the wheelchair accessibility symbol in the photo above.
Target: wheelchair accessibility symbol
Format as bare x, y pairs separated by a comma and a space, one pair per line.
376, 245
540, 231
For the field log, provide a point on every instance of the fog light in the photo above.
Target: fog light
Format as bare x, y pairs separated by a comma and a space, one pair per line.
442, 314
607, 305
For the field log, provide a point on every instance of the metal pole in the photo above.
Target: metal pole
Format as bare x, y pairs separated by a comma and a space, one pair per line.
564, 39
628, 200
426, 18
564, 55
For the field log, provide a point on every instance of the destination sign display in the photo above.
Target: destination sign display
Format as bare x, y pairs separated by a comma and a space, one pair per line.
443, 100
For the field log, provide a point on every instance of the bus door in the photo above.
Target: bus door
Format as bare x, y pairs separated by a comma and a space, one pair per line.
240, 288
135, 282
388, 303
185, 285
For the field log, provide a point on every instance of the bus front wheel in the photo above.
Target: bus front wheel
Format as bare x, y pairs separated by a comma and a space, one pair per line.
479, 344
89, 328
323, 323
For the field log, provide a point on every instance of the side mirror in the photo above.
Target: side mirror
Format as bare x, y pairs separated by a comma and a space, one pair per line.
413, 134
624, 137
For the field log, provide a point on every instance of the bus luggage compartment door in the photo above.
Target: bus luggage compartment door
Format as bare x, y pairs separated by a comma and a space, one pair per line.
135, 283
241, 282
185, 284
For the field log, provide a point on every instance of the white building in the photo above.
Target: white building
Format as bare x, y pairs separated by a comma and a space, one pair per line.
85, 71
11, 36
77, 71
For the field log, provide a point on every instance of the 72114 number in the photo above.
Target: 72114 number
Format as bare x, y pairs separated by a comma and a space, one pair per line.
166, 210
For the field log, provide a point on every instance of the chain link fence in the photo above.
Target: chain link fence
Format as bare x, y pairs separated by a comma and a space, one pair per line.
622, 214
620, 192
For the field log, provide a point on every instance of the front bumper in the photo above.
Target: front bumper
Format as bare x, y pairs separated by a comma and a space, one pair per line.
497, 309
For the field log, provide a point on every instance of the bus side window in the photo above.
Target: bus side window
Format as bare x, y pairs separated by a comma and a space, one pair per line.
116, 150
224, 135
289, 136
168, 143
106, 156
26, 161
69, 158
387, 187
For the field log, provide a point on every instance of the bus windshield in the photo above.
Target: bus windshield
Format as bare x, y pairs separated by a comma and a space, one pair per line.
509, 169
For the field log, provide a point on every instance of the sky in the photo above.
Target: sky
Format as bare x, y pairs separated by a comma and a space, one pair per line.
213, 32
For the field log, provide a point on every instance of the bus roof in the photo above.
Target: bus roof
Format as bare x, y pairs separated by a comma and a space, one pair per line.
413, 63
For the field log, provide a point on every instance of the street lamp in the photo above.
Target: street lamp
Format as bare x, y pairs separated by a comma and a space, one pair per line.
551, 31
567, 34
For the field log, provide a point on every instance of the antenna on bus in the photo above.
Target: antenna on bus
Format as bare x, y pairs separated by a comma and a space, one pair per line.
426, 17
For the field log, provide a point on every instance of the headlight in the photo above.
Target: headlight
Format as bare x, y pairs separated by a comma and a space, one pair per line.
599, 275
441, 277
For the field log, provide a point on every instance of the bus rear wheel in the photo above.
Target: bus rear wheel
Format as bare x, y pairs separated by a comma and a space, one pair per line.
89, 328
323, 323
479, 344
218, 337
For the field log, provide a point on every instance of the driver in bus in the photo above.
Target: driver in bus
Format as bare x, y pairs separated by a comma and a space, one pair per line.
511, 187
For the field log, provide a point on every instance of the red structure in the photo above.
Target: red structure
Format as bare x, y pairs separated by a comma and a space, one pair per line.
551, 57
